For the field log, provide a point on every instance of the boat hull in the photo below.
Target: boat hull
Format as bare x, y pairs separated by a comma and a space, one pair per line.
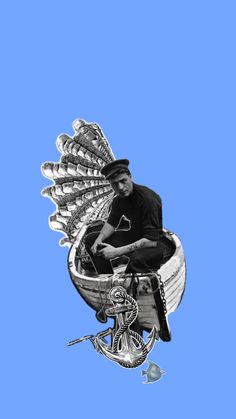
95, 289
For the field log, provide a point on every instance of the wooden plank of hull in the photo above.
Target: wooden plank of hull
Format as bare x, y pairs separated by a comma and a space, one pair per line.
174, 298
174, 293
176, 285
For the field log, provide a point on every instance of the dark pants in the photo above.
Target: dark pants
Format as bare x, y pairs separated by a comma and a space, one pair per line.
140, 260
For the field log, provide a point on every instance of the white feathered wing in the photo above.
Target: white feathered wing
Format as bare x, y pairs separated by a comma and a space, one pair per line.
80, 192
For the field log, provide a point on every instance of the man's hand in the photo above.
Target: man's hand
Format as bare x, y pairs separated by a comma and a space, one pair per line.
94, 248
108, 251
106, 231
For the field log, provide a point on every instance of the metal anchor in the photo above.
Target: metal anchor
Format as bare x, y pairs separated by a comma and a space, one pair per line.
128, 347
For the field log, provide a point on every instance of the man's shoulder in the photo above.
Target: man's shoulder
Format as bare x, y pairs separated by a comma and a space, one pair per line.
146, 193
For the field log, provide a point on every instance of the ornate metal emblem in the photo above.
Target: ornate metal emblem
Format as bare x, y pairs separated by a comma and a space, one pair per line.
128, 347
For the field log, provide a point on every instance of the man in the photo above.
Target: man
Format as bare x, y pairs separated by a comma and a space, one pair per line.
144, 242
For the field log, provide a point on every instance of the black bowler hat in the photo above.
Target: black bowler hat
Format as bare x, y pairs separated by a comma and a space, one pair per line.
115, 166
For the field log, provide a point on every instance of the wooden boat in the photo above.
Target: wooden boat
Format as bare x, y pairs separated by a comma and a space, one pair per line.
95, 289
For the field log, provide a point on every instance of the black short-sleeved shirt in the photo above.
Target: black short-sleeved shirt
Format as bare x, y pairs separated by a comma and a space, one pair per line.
144, 210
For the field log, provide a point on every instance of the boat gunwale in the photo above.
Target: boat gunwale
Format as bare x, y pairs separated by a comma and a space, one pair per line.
71, 258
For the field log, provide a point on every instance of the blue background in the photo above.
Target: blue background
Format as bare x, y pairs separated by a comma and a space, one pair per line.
159, 78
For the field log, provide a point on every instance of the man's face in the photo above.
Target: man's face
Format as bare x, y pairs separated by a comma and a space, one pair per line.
122, 185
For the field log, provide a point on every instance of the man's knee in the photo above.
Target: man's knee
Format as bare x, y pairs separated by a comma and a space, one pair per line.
135, 257
136, 263
143, 260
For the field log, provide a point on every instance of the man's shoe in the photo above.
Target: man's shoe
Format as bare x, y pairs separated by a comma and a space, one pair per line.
164, 331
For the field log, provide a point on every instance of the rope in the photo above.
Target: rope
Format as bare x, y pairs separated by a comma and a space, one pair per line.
132, 333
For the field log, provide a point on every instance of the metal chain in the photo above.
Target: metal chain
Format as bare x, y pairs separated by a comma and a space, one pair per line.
162, 292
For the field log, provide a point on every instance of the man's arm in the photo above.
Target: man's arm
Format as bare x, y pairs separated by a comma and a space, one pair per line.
139, 244
106, 231
110, 252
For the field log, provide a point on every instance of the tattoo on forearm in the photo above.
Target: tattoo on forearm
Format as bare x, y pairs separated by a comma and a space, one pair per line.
135, 246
